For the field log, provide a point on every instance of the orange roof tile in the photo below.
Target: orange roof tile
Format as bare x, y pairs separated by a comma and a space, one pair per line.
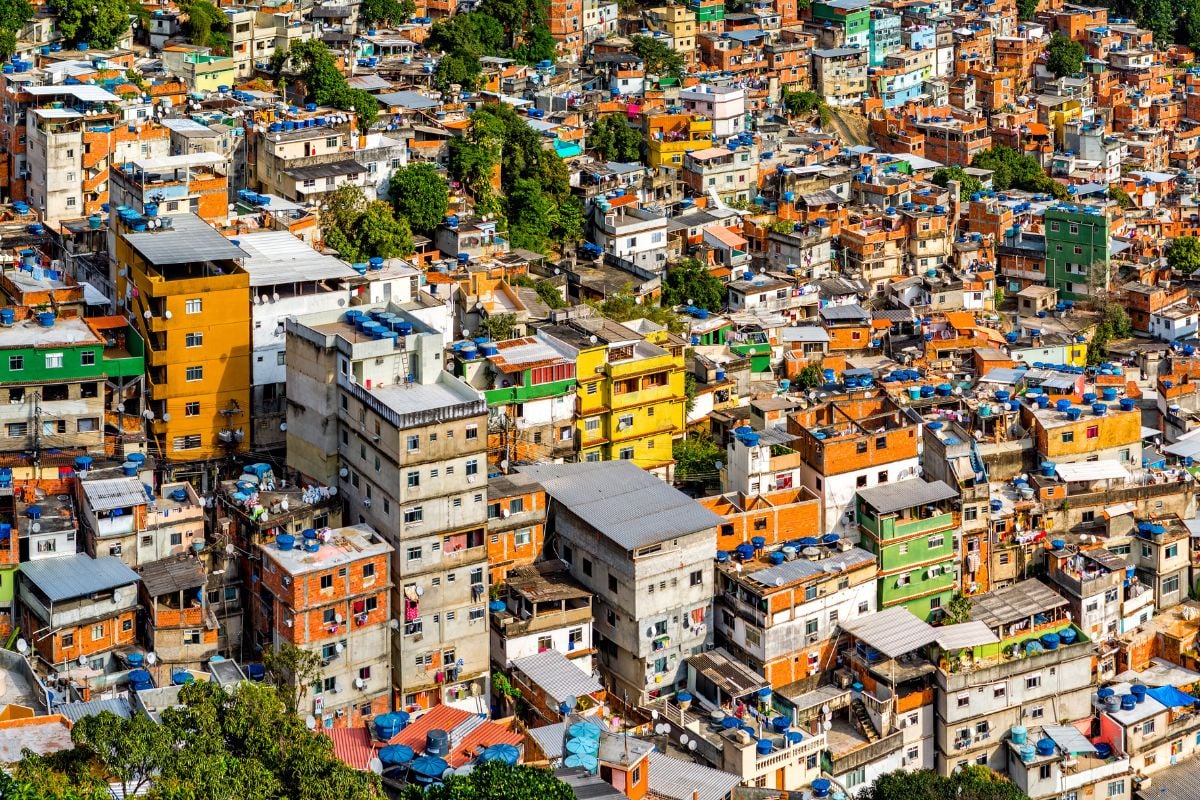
447, 718
352, 745
728, 238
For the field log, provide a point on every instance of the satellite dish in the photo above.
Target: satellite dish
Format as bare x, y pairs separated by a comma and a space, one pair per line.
22, 646
719, 465
691, 745
339, 619
152, 658
229, 549
83, 661
394, 624
683, 738
339, 647
376, 766
310, 722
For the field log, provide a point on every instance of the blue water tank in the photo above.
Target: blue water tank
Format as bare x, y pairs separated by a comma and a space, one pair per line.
285, 541
1045, 747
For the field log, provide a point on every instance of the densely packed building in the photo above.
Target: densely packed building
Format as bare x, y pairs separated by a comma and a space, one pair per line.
701, 401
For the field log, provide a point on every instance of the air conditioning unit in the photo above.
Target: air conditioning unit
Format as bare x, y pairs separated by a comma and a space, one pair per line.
341, 712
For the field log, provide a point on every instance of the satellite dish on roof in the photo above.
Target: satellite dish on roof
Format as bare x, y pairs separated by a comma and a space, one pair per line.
152, 658
22, 646
376, 766
310, 722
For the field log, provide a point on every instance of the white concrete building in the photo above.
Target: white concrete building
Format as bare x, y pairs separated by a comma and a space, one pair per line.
724, 105
645, 551
631, 234
1178, 321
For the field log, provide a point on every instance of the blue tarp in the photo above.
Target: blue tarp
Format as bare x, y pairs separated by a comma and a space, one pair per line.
1171, 697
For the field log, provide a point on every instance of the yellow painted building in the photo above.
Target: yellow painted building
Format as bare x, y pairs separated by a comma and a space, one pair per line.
630, 400
679, 24
184, 290
670, 136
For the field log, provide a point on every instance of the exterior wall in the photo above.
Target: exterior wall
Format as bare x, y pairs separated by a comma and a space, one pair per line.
916, 559
1074, 243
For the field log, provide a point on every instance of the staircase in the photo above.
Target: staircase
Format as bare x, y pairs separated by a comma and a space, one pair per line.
862, 720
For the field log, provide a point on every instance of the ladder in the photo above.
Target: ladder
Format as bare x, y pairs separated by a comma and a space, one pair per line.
401, 375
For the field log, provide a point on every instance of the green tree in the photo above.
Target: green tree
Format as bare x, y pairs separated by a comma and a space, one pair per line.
499, 327
516, 17
495, 781
537, 45
802, 102
205, 21
623, 306
380, 233
958, 609
1011, 170
1065, 56
393, 12
1114, 324
131, 750
967, 184
529, 216
292, 670
324, 83
462, 69
421, 195
1026, 9
689, 282
810, 377
13, 16
1183, 254
973, 782
614, 139
1121, 196
568, 220
341, 208
696, 457
658, 57
472, 32
99, 23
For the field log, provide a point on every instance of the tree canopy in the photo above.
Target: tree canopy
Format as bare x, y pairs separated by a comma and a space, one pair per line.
323, 81
970, 783
1065, 56
393, 12
495, 781
421, 195
614, 139
1026, 9
13, 16
967, 184
696, 457
359, 230
1183, 254
206, 24
1011, 170
216, 745
99, 23
1114, 324
659, 57
690, 283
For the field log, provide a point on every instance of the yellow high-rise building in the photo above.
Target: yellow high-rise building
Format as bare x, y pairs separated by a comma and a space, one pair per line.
630, 401
183, 288
670, 136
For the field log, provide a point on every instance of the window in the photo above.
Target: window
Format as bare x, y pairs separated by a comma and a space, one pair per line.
195, 374
860, 482
935, 542
191, 409
16, 363
327, 581
413, 515
1037, 712
626, 454
1068, 437
87, 358
964, 700
190, 442
522, 537
67, 640
414, 443
475, 614
612, 583
1170, 585
473, 467
193, 339
1172, 550
87, 425
935, 602
516, 505
1033, 681
414, 553
368, 571
194, 306
54, 360
1116, 788
472, 432
697, 578
1093, 431
414, 480
97, 633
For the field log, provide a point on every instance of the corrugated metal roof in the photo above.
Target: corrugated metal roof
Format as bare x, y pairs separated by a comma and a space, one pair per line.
112, 493
1181, 780
1109, 469
893, 631
188, 240
352, 746
558, 676
801, 568
549, 738
77, 575
847, 313
623, 502
1069, 739
965, 634
890, 497
677, 779
1019, 601
83, 92
171, 575
77, 711
274, 257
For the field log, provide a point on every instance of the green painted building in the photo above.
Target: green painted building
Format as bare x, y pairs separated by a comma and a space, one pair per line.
909, 526
61, 377
854, 16
707, 10
1078, 250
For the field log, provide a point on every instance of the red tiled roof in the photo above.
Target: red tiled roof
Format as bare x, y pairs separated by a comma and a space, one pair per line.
447, 718
352, 746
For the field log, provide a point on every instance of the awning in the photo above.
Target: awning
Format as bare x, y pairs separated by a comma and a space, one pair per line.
964, 635
1120, 509
1092, 471
93, 296
1150, 433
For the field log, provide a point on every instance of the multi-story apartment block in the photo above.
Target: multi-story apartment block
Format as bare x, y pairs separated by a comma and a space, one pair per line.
645, 551
76, 608
178, 626
61, 376
1035, 669
631, 235
120, 517
196, 183
841, 75
849, 446
630, 391
1065, 761
182, 287
330, 593
724, 105
780, 612
1078, 249
910, 526
542, 608
731, 175
516, 524
410, 452
308, 162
